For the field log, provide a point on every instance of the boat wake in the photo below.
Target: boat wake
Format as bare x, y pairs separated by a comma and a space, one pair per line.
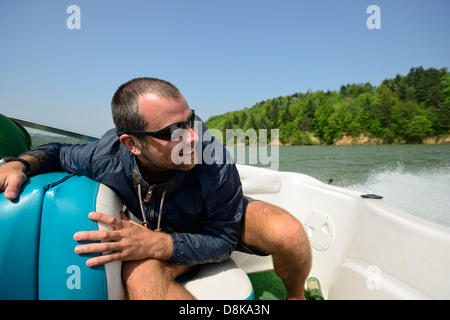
423, 193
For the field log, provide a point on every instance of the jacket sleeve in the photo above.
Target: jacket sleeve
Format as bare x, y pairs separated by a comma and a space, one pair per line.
64, 157
94, 160
221, 225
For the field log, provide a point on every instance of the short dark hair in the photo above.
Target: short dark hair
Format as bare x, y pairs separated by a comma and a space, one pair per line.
124, 104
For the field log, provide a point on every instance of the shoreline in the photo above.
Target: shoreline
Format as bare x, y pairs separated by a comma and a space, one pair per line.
363, 140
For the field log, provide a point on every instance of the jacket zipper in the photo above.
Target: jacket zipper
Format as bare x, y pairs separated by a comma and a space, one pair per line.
148, 197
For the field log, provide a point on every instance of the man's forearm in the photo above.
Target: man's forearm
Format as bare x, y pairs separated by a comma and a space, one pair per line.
32, 161
44, 158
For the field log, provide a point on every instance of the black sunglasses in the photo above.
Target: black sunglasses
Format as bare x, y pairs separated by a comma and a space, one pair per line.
166, 132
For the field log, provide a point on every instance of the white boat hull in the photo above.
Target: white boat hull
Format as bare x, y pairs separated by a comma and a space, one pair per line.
362, 248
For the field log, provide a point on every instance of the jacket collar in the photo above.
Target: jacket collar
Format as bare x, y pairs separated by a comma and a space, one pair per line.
168, 186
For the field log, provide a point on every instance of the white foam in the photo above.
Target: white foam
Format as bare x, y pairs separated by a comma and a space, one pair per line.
425, 193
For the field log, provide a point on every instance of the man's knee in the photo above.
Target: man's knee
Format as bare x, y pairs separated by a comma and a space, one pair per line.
286, 233
292, 236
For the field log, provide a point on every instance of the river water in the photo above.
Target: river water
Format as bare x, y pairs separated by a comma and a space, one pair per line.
415, 178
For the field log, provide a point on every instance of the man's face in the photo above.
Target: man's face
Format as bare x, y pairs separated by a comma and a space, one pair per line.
157, 154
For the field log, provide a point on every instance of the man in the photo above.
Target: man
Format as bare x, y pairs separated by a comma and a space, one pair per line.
191, 213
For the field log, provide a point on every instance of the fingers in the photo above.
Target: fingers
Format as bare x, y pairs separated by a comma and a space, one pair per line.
117, 224
100, 235
109, 246
95, 248
125, 242
108, 249
103, 259
98, 247
111, 250
13, 184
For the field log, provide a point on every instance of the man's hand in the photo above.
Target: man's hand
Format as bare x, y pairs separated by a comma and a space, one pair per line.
127, 241
12, 176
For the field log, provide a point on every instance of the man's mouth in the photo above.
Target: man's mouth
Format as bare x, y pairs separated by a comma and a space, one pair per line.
190, 153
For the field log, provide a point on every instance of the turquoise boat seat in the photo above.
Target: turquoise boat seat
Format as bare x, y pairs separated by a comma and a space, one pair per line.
37, 258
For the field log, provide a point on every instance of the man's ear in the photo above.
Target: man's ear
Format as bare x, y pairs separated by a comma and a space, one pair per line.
131, 143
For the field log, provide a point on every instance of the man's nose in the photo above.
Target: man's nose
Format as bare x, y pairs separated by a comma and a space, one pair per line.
193, 137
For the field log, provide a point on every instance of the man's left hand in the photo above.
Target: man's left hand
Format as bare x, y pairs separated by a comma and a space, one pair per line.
127, 241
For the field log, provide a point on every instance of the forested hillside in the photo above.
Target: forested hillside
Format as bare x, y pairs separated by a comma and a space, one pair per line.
405, 109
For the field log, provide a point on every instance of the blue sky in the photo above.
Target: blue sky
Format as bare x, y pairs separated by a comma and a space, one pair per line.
222, 55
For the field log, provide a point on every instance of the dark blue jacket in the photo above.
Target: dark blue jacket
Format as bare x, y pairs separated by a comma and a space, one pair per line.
202, 207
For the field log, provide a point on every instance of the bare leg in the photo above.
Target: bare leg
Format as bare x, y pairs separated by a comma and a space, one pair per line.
275, 231
153, 279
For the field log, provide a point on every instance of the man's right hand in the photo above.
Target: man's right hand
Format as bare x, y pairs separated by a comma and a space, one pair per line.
12, 176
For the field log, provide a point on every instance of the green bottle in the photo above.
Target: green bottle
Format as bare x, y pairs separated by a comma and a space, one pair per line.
314, 291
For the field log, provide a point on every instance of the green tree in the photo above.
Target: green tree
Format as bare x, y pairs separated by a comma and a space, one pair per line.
402, 113
324, 124
418, 128
242, 119
406, 108
443, 114
250, 123
384, 100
